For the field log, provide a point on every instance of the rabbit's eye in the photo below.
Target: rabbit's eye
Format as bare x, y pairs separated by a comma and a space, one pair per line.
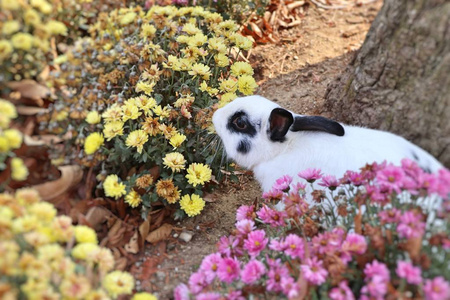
240, 123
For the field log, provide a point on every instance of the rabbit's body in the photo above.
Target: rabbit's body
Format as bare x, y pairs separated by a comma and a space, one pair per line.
261, 136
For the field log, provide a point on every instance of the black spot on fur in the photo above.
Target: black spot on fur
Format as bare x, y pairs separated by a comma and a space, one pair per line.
244, 146
239, 123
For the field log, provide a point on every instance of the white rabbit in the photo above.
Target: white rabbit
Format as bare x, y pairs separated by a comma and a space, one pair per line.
261, 136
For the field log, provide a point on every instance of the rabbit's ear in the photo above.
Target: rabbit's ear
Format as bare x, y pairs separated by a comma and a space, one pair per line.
317, 123
280, 120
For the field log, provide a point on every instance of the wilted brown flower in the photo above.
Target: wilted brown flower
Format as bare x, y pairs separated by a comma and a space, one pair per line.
318, 196
342, 210
151, 126
144, 181
165, 188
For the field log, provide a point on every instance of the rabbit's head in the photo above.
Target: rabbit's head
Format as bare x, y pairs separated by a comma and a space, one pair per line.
254, 129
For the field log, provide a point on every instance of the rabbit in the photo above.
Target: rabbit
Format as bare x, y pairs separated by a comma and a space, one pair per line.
271, 141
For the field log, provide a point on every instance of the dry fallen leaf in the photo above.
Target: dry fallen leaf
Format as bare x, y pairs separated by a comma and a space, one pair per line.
30, 89
133, 246
30, 110
52, 190
159, 234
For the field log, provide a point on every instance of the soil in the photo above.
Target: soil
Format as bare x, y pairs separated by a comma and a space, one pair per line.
295, 73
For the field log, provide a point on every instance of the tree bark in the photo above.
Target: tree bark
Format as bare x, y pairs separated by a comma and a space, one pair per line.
399, 80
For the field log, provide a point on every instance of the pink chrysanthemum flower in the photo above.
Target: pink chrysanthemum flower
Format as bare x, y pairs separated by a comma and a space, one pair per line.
252, 271
352, 177
376, 288
181, 292
298, 187
283, 183
244, 227
436, 289
392, 177
289, 287
273, 195
310, 175
406, 270
228, 246
294, 246
197, 282
355, 244
329, 181
245, 212
341, 292
277, 271
209, 266
377, 269
390, 215
256, 241
209, 296
272, 217
313, 271
410, 225
327, 242
411, 168
234, 295
429, 182
277, 245
228, 269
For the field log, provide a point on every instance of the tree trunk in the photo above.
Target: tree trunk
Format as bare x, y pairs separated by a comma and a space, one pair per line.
399, 80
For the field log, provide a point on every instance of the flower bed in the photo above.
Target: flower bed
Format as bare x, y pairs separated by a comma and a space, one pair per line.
387, 236
137, 99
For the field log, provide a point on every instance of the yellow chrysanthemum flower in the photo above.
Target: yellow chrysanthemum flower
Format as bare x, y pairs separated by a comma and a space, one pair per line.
148, 31
42, 5
177, 139
113, 129
7, 108
146, 104
197, 40
146, 87
183, 39
240, 68
27, 196
227, 98
201, 70
93, 142
228, 86
4, 144
242, 42
192, 205
137, 139
118, 283
10, 27
217, 44
14, 138
75, 287
19, 170
161, 112
133, 199
113, 188
128, 18
113, 114
44, 211
174, 161
221, 60
10, 5
247, 85
93, 117
6, 49
96, 294
32, 17
144, 296
191, 29
56, 28
85, 234
130, 111
84, 250
22, 40
198, 174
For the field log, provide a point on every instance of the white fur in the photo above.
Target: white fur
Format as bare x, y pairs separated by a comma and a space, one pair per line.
301, 150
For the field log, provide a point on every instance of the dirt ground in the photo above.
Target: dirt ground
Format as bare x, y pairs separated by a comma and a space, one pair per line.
295, 73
